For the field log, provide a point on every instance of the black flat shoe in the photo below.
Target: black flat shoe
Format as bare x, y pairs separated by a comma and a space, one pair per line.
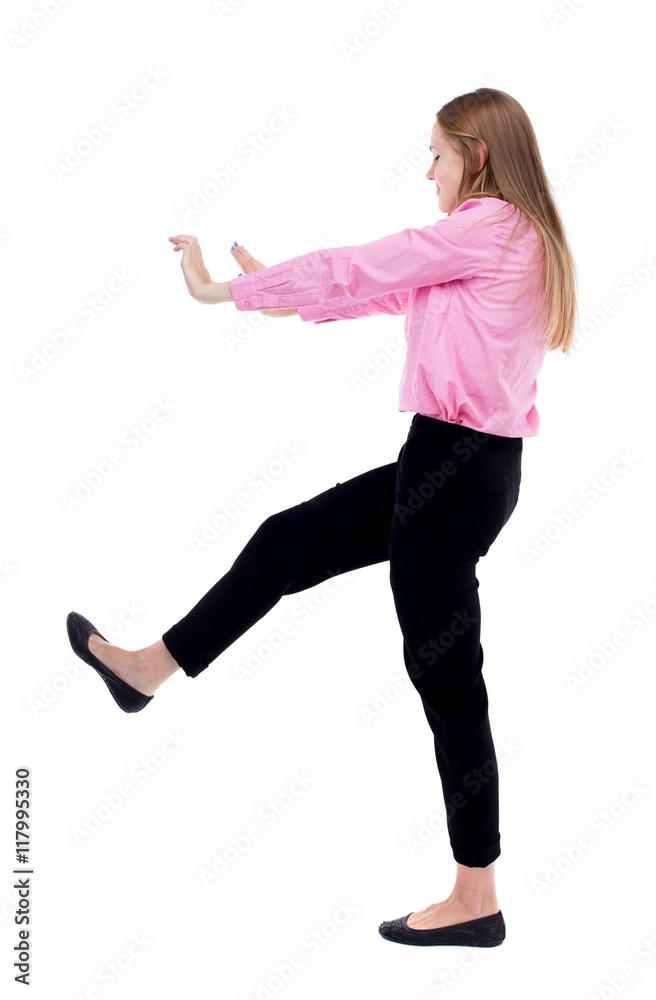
126, 697
483, 932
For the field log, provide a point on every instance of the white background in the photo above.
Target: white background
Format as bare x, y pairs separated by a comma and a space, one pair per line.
361, 99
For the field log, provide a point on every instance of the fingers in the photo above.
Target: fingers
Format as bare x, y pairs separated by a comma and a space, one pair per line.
246, 260
241, 253
182, 241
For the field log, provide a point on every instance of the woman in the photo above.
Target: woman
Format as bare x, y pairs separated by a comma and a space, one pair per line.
486, 292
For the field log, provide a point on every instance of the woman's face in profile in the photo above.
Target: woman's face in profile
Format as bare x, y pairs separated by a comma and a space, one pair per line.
445, 170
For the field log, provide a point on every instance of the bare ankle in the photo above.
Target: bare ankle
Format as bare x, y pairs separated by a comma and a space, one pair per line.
475, 889
158, 662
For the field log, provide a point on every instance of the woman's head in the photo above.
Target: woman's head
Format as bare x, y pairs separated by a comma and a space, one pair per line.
485, 146
489, 135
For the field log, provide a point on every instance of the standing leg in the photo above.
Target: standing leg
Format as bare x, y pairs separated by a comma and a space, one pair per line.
456, 489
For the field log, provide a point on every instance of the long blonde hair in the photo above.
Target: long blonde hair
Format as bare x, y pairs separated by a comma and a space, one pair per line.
514, 172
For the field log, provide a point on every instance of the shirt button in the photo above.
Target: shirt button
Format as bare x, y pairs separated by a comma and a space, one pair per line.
281, 302
247, 303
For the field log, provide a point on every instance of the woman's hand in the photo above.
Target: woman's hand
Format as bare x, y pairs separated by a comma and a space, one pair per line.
248, 263
197, 277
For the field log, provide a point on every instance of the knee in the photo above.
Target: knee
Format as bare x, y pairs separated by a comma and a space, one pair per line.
270, 539
416, 672
424, 678
445, 684
284, 533
441, 699
278, 524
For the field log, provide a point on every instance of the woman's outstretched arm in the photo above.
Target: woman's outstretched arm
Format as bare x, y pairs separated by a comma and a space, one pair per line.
450, 249
204, 290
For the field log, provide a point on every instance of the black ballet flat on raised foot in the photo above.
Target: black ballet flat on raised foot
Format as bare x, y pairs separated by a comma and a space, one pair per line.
126, 697
483, 932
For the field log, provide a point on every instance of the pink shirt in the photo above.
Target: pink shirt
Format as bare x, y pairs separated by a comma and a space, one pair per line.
472, 355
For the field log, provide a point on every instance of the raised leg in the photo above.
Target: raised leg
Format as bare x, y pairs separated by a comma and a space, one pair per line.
341, 529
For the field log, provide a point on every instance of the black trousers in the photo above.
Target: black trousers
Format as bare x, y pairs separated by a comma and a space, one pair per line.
433, 513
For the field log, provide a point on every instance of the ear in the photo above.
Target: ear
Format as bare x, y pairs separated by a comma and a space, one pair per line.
482, 154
